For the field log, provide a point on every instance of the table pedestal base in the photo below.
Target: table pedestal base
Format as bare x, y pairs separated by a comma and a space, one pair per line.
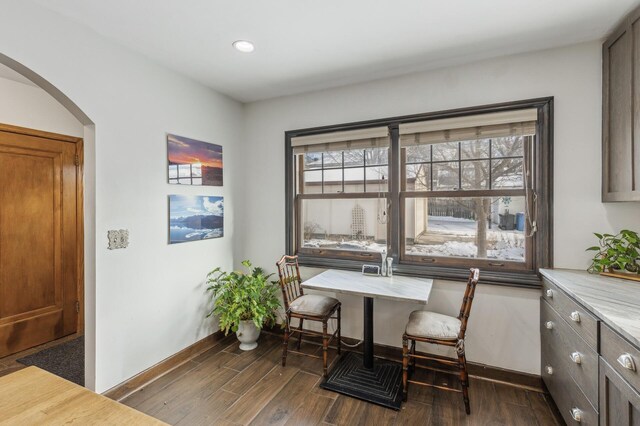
381, 385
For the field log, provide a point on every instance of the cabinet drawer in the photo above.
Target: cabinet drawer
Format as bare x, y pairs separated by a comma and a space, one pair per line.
620, 355
565, 392
578, 359
585, 324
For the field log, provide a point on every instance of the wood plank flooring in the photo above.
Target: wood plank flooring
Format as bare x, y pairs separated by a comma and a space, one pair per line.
226, 386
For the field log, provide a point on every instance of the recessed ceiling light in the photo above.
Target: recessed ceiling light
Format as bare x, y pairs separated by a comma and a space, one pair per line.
244, 46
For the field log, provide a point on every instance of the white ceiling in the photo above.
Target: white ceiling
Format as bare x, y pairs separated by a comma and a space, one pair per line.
304, 45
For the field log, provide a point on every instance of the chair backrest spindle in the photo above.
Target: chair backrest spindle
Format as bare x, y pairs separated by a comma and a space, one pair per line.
467, 300
289, 274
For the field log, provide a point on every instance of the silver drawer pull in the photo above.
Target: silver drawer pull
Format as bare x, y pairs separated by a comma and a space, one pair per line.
576, 357
626, 360
576, 413
550, 294
549, 370
549, 325
575, 316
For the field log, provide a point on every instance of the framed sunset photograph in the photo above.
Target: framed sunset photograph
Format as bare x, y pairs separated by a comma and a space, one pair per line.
193, 162
195, 217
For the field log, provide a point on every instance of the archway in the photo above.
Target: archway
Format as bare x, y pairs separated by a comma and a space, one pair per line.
89, 249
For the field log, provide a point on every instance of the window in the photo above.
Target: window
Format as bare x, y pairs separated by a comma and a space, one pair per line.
342, 194
438, 192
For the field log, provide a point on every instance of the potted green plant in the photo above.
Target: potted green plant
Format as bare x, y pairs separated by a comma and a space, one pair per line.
243, 302
617, 255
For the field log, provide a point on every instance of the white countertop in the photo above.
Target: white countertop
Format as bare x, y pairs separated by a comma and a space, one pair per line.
408, 289
615, 301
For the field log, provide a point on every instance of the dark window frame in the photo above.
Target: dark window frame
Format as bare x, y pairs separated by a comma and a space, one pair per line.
541, 253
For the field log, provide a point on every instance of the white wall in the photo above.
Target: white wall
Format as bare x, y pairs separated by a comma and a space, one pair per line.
29, 106
146, 302
504, 323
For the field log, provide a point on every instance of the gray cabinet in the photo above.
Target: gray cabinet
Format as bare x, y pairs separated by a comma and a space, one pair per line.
621, 112
568, 335
619, 380
591, 371
619, 402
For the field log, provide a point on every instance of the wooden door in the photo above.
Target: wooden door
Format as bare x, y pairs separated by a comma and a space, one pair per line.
39, 261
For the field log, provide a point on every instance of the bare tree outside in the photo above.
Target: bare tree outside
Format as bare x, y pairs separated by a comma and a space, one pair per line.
470, 165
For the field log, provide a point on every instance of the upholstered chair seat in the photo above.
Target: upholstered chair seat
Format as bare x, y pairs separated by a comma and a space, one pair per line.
432, 325
313, 304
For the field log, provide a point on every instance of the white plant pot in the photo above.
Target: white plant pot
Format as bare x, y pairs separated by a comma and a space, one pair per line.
248, 335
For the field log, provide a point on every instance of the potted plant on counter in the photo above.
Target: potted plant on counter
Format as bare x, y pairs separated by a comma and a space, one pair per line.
617, 255
243, 302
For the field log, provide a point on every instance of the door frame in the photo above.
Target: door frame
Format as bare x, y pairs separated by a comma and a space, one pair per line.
79, 143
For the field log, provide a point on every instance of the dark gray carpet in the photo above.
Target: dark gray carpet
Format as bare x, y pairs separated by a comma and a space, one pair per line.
65, 360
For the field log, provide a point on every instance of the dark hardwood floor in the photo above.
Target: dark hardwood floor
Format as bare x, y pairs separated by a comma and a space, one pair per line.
226, 386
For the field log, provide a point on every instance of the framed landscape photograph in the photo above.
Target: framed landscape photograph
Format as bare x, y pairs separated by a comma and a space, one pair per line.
195, 217
193, 162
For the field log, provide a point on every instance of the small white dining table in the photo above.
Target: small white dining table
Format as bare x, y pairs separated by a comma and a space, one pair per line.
379, 381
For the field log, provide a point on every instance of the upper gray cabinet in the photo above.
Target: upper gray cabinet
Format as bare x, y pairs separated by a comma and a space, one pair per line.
621, 112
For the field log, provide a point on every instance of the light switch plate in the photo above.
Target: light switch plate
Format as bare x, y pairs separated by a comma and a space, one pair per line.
118, 239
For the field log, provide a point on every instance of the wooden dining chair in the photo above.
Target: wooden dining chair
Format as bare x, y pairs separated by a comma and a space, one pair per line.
430, 327
312, 307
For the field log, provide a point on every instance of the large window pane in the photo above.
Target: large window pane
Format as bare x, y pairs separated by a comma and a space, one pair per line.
312, 160
377, 156
332, 159
507, 173
354, 179
344, 224
313, 182
475, 174
332, 181
377, 178
419, 177
445, 176
471, 150
445, 151
354, 157
485, 228
418, 154
512, 146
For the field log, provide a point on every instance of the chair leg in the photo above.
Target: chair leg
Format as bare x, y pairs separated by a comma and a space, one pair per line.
464, 381
285, 341
300, 333
413, 358
325, 346
405, 368
339, 327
